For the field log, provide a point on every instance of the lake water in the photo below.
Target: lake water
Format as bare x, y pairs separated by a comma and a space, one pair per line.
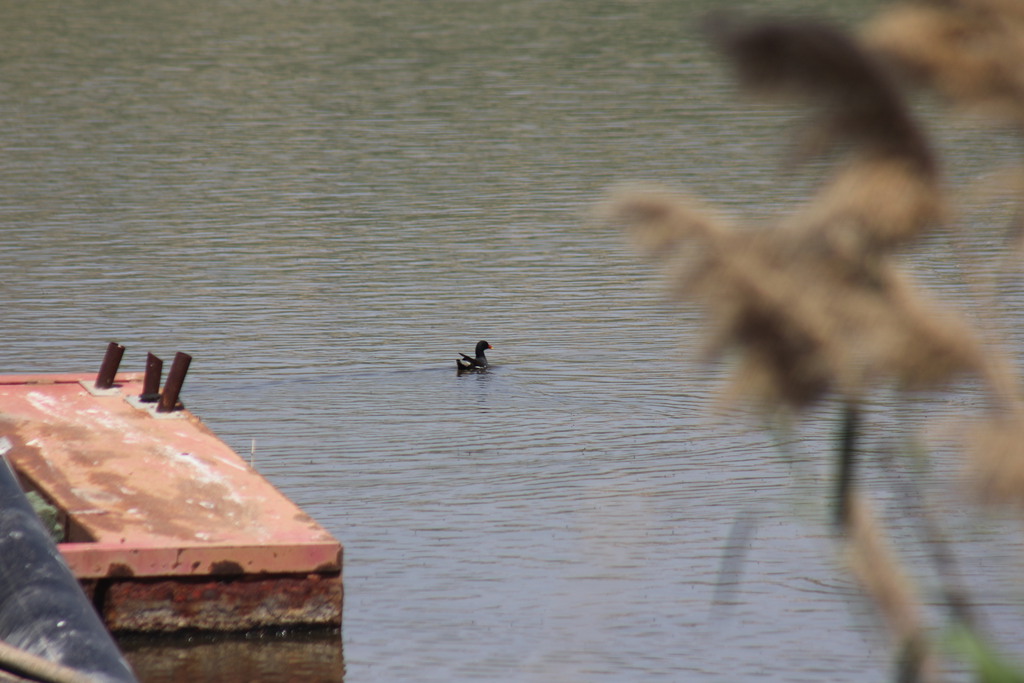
325, 201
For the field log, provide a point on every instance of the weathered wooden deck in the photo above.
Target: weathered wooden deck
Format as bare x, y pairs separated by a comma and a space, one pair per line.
166, 526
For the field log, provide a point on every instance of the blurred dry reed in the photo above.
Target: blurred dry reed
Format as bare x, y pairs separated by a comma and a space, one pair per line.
874, 564
971, 52
806, 321
814, 305
995, 463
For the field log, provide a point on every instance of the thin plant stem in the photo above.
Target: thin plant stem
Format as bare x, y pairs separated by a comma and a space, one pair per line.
845, 466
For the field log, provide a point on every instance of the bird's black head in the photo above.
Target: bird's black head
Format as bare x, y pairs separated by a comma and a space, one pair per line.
482, 346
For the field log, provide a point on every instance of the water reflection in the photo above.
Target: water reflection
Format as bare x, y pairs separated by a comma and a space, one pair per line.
314, 657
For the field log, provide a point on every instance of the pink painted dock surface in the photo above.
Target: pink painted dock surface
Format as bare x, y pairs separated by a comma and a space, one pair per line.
149, 496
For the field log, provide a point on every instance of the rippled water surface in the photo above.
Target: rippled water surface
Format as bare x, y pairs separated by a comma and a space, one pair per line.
324, 202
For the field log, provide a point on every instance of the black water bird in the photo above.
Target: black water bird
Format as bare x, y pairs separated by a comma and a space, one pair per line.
471, 364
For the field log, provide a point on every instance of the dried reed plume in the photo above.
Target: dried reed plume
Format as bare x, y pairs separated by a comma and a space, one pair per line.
995, 465
857, 101
829, 262
753, 304
887, 192
805, 322
813, 306
970, 51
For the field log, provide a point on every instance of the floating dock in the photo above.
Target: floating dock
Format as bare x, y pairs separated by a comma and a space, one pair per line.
165, 527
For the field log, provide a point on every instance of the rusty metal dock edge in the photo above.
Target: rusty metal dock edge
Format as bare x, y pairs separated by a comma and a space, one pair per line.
167, 528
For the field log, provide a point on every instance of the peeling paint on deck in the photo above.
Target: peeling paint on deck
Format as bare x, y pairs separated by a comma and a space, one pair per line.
158, 499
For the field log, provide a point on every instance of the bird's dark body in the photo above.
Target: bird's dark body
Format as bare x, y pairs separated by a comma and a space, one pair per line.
471, 363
